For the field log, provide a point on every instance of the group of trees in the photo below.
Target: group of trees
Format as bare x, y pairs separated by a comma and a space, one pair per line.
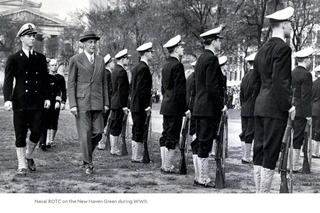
138, 21
245, 26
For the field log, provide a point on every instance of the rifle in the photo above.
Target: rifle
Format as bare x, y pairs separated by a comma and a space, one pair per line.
124, 150
184, 142
220, 178
306, 150
108, 131
146, 158
287, 141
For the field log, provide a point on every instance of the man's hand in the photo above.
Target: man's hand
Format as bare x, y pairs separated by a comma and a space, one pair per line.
188, 114
57, 105
148, 110
225, 108
74, 111
106, 108
309, 121
47, 104
62, 106
8, 105
126, 110
292, 112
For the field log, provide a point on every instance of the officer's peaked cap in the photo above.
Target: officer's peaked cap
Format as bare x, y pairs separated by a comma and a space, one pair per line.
27, 29
281, 15
145, 47
304, 53
175, 41
122, 54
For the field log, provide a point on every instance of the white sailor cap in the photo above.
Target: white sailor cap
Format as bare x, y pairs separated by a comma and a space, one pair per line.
250, 57
145, 47
281, 15
27, 29
122, 54
317, 69
193, 63
107, 58
213, 33
304, 53
53, 61
175, 41
222, 60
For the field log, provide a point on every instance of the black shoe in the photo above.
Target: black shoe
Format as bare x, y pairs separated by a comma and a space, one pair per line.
246, 162
31, 165
207, 185
48, 146
89, 170
43, 147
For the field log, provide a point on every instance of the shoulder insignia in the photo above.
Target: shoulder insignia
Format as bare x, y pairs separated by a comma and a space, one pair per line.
20, 54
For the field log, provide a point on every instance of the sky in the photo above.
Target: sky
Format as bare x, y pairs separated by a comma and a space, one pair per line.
61, 7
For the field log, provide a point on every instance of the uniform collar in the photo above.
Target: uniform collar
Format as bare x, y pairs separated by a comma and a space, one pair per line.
144, 61
27, 52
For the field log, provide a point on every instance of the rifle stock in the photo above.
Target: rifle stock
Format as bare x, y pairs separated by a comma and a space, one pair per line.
284, 157
124, 150
146, 158
108, 132
305, 164
287, 142
219, 184
185, 135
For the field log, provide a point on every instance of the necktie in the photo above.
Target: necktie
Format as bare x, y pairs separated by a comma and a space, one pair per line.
91, 59
30, 55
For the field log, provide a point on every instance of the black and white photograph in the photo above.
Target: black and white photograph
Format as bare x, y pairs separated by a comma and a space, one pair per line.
134, 105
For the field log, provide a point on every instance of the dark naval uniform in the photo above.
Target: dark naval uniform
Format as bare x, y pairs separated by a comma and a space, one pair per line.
119, 98
272, 84
316, 110
51, 115
141, 85
302, 83
174, 105
247, 108
28, 94
106, 114
208, 101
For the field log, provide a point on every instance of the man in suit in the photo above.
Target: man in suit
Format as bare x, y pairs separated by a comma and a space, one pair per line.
209, 101
140, 105
302, 84
247, 112
109, 66
119, 99
28, 97
88, 96
316, 114
174, 105
272, 85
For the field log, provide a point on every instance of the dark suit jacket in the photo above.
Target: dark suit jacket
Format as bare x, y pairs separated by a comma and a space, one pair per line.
141, 85
272, 79
31, 76
302, 83
173, 88
209, 86
246, 95
120, 88
316, 98
87, 84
